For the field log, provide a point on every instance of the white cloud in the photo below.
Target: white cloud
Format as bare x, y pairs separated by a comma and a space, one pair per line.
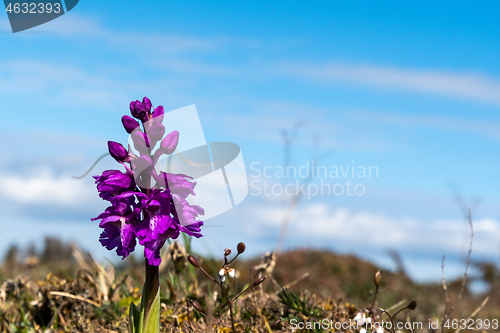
364, 230
439, 82
44, 187
479, 127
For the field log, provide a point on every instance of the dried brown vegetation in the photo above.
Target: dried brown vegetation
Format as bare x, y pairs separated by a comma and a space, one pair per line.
61, 289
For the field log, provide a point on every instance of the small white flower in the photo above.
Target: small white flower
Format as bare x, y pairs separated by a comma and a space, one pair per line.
222, 275
380, 330
360, 319
362, 330
231, 273
369, 320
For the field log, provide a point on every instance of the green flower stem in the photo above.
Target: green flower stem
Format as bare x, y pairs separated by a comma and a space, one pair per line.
152, 285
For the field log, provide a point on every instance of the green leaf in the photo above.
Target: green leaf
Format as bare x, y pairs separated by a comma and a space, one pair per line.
152, 324
134, 314
125, 302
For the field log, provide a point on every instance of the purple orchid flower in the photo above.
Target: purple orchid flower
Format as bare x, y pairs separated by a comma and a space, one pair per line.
186, 213
119, 221
145, 206
157, 226
177, 183
114, 182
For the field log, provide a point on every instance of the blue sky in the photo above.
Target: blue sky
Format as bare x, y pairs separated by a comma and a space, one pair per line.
413, 89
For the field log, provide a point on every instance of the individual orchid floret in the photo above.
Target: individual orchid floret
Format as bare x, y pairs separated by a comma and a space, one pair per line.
118, 221
186, 212
157, 226
113, 182
193, 229
130, 124
178, 184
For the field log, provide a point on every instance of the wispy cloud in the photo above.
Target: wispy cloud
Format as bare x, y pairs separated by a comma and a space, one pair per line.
367, 230
490, 129
45, 187
147, 43
71, 86
474, 86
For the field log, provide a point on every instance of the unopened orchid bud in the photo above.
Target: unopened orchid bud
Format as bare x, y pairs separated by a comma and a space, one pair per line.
378, 278
154, 132
412, 306
147, 104
259, 281
118, 152
129, 123
140, 142
241, 248
138, 111
197, 306
227, 252
158, 114
193, 261
169, 143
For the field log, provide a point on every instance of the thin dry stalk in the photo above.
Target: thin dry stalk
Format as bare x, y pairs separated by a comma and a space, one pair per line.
79, 298
464, 280
297, 280
473, 314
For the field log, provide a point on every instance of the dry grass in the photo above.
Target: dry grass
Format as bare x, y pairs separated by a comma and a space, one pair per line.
61, 289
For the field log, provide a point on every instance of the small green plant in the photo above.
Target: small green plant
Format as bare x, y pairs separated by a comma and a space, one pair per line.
302, 305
